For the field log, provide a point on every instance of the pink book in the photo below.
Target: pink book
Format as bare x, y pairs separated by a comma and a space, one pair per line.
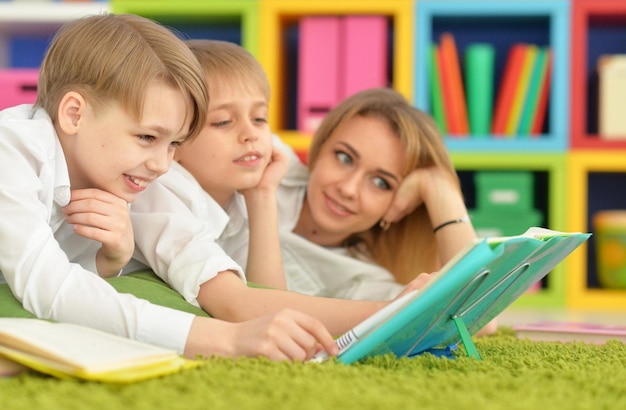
363, 54
549, 331
19, 86
318, 70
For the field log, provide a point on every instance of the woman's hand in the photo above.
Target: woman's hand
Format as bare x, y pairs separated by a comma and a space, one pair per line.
430, 186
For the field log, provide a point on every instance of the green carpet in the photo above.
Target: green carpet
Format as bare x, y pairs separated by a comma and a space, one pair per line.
513, 374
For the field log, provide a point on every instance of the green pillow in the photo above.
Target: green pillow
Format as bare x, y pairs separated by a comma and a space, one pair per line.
143, 284
9, 306
146, 285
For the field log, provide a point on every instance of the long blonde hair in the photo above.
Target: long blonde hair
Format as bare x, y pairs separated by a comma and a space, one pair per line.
408, 247
114, 58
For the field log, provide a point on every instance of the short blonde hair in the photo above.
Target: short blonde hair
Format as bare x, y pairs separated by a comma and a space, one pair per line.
228, 63
114, 58
409, 246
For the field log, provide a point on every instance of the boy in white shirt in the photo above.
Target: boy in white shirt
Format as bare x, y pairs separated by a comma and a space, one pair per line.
191, 223
116, 96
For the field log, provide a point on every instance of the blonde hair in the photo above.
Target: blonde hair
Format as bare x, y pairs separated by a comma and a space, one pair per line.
409, 246
226, 63
114, 58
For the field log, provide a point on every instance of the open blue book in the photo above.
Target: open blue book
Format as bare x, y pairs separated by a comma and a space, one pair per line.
469, 291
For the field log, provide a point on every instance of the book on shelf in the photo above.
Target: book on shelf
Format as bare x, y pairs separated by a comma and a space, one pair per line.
67, 350
612, 88
436, 92
521, 89
506, 91
469, 291
479, 68
533, 94
452, 85
556, 331
544, 94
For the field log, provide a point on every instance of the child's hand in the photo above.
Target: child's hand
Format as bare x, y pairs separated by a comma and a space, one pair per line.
273, 173
284, 335
416, 283
103, 217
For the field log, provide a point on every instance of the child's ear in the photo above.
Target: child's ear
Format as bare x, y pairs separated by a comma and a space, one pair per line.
71, 111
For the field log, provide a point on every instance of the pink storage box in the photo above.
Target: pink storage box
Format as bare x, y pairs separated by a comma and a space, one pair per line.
318, 65
18, 86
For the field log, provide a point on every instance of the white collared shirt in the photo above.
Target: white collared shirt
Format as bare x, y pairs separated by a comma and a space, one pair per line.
176, 225
49, 269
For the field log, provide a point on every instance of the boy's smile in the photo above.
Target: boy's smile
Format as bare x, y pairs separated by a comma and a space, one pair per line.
112, 151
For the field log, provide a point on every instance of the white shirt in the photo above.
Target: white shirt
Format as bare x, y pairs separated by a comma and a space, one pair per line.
49, 269
176, 225
309, 268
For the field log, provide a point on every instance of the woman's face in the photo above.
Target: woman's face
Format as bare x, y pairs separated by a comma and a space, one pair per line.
353, 182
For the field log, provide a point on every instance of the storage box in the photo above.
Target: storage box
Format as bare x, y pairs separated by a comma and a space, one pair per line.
19, 86
504, 191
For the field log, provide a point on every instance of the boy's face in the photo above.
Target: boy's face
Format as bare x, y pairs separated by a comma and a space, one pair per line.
115, 152
235, 146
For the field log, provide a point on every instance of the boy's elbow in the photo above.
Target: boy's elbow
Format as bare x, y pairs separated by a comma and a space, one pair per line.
224, 297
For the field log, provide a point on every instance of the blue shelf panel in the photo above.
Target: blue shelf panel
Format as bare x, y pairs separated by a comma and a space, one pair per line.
543, 143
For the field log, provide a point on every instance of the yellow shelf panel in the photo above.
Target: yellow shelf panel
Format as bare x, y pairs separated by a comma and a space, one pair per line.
276, 15
580, 164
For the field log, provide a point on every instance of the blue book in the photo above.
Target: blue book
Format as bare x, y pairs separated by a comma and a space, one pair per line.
473, 288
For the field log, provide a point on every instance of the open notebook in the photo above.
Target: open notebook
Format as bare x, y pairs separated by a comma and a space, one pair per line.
469, 291
66, 350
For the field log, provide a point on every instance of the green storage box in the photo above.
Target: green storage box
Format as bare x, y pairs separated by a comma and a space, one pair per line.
500, 223
504, 191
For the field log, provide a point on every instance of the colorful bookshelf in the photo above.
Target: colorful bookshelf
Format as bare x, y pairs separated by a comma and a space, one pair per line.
280, 19
550, 200
595, 182
26, 28
598, 27
501, 24
232, 20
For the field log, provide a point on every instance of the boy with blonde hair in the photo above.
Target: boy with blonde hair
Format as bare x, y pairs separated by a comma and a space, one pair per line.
116, 95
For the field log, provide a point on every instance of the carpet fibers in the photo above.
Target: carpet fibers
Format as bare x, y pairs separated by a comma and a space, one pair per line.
512, 374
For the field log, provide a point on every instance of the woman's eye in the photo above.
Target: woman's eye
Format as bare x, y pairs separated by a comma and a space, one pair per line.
343, 157
382, 183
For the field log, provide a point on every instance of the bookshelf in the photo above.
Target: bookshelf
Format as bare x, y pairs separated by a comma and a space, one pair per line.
233, 20
278, 34
26, 28
591, 187
501, 24
549, 170
597, 28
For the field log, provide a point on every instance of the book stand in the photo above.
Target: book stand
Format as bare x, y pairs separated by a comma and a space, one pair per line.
465, 295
